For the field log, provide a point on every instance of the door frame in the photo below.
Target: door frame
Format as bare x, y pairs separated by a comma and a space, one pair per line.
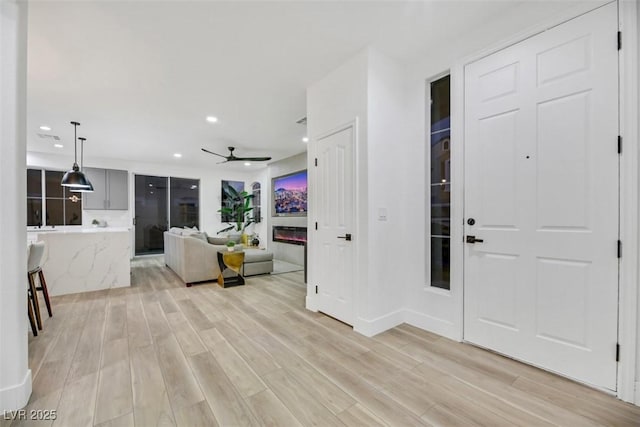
311, 300
629, 221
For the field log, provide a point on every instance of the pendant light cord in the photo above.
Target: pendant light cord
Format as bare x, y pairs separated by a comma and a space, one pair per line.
75, 142
82, 140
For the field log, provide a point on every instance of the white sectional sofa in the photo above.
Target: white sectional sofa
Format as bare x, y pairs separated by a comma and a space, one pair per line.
194, 259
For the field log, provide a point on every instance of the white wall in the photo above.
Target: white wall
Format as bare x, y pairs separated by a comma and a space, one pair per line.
338, 99
637, 154
15, 375
392, 256
371, 89
210, 185
284, 251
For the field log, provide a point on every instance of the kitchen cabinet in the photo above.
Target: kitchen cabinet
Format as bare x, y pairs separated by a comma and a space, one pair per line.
110, 189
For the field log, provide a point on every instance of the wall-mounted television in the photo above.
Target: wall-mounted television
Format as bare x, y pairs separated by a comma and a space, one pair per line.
290, 194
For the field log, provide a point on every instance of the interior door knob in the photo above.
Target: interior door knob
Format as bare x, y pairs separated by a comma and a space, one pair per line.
473, 239
347, 237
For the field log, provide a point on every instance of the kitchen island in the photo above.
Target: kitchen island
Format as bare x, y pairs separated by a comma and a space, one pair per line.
85, 259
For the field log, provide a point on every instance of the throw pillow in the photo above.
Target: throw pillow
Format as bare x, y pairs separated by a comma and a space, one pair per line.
201, 236
176, 230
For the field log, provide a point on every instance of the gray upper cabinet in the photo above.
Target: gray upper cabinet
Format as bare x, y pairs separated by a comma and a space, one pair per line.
110, 189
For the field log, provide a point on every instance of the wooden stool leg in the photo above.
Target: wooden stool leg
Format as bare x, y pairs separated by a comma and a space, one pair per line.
45, 292
34, 299
32, 321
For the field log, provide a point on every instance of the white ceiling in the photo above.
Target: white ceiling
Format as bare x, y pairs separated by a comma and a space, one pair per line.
142, 76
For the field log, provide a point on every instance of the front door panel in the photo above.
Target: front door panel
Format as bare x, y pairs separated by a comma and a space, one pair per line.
541, 180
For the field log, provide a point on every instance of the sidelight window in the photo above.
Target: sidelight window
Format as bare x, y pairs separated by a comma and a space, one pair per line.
440, 181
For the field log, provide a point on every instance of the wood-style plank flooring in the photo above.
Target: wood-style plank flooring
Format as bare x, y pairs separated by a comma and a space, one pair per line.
161, 354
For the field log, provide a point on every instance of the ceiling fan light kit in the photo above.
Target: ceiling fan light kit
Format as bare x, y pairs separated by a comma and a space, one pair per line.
232, 158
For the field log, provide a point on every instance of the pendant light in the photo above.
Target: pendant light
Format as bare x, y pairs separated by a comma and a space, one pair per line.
88, 189
75, 178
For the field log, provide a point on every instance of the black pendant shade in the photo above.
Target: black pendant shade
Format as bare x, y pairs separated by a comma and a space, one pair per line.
88, 188
74, 178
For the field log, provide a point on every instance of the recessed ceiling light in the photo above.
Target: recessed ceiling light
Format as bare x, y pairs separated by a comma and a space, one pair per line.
212, 119
247, 164
177, 155
58, 145
47, 128
305, 139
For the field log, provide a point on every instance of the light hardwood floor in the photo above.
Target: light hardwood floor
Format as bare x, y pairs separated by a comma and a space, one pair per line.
160, 354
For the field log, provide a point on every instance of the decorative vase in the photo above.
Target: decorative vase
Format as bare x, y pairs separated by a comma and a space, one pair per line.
255, 241
230, 248
245, 239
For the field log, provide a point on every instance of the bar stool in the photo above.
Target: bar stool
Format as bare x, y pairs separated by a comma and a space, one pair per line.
32, 321
36, 253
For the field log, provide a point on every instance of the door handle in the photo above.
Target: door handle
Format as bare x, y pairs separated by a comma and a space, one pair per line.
347, 237
472, 239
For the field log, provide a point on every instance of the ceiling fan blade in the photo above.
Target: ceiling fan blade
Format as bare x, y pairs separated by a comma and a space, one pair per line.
252, 159
211, 152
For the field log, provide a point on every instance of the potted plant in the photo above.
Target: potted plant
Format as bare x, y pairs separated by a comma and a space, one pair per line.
238, 208
230, 246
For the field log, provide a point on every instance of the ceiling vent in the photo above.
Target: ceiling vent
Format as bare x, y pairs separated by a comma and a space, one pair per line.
46, 136
302, 121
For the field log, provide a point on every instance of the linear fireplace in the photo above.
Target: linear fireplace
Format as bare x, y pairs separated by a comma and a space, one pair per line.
291, 235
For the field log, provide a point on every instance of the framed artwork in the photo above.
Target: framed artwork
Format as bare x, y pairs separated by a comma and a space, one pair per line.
227, 199
290, 194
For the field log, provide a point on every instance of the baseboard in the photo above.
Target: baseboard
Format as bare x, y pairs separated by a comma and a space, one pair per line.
16, 397
433, 324
637, 393
375, 326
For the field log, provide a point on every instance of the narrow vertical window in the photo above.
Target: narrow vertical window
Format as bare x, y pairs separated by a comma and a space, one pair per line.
440, 144
34, 197
255, 202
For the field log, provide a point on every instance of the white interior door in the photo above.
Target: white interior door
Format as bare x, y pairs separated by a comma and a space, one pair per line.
335, 207
541, 183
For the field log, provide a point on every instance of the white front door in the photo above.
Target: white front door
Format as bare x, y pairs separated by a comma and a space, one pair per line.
335, 207
541, 190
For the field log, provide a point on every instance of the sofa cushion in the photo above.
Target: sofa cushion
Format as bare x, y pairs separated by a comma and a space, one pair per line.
176, 230
218, 240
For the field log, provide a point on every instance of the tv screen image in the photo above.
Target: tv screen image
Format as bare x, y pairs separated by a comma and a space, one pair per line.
290, 194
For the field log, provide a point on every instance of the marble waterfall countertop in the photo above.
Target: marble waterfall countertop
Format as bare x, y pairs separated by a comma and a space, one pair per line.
85, 259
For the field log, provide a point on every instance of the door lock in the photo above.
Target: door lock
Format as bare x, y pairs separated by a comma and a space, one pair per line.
472, 239
347, 237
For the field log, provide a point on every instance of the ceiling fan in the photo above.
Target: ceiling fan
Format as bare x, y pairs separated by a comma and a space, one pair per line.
232, 158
